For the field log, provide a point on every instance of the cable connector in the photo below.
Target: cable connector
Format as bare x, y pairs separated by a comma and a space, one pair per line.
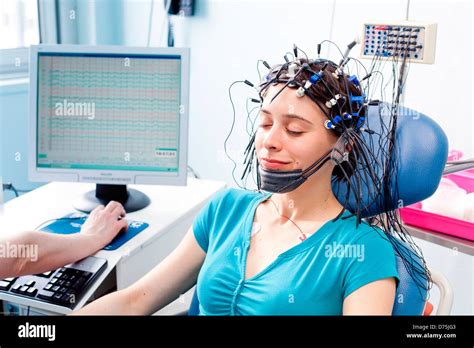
9, 186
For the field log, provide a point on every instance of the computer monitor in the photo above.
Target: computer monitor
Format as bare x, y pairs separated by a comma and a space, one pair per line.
109, 115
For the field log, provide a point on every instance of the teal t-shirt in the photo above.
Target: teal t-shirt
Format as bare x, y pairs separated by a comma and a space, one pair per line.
311, 278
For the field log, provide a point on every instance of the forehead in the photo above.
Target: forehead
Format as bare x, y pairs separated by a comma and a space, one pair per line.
288, 102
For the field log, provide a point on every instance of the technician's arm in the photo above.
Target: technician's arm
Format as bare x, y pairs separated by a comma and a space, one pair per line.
175, 275
33, 252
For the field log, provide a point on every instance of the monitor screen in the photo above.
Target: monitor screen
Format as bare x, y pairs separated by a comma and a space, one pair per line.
109, 115
108, 111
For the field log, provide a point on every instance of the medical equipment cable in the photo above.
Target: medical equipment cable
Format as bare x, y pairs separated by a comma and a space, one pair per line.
365, 173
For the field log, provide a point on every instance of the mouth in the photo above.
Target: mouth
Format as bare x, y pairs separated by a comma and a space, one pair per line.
269, 163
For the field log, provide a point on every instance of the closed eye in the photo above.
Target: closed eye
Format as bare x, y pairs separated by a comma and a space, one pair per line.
294, 133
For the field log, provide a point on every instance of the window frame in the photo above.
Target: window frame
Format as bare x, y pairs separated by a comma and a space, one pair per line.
8, 67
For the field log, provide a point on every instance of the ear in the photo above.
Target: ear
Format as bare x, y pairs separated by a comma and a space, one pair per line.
349, 145
341, 150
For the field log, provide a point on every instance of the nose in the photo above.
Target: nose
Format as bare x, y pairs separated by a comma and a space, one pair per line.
272, 139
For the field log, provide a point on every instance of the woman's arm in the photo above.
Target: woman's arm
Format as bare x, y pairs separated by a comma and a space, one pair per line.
47, 251
175, 275
376, 298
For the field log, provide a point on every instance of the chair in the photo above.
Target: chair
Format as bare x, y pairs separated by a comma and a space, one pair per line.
420, 164
445, 293
412, 300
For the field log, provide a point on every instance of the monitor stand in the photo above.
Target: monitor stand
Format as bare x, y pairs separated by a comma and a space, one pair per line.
131, 199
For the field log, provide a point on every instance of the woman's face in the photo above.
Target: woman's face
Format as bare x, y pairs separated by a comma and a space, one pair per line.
291, 133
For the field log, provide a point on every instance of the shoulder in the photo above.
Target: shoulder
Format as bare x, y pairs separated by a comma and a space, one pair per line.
370, 245
370, 236
230, 198
376, 240
367, 256
227, 209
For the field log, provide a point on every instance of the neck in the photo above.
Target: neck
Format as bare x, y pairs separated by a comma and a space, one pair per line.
313, 200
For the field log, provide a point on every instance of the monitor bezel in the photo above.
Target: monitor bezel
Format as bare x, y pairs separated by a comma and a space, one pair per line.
99, 176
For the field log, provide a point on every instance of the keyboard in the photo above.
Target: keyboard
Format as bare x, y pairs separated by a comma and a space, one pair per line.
65, 286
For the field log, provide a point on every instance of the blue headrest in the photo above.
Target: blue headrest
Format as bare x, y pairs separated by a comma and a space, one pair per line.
421, 151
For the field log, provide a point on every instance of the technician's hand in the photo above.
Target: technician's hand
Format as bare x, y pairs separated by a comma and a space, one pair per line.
104, 223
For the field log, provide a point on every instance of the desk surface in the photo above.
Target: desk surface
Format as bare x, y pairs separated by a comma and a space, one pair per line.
462, 245
54, 200
169, 205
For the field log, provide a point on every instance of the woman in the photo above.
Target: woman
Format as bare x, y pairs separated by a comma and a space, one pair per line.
296, 251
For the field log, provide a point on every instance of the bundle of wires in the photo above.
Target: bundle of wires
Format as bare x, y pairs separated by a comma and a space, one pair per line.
369, 170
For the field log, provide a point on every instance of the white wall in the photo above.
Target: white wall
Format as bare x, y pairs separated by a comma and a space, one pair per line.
227, 38
458, 268
444, 90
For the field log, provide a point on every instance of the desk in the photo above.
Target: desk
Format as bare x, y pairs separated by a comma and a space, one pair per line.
461, 245
170, 214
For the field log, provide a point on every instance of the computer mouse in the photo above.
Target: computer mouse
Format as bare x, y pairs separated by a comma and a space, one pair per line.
122, 231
